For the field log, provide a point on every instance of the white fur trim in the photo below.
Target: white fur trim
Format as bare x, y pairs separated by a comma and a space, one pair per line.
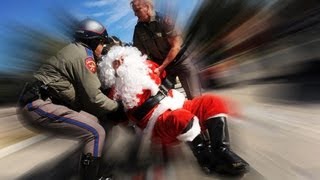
172, 103
175, 102
160, 109
219, 115
191, 133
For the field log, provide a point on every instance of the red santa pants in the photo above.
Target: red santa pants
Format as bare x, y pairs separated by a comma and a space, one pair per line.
171, 124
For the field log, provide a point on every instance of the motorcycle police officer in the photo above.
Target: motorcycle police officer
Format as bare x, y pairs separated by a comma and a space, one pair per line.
65, 97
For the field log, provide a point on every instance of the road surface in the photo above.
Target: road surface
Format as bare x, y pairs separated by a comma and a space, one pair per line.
280, 139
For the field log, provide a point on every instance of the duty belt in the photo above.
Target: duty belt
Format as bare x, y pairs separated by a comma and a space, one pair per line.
38, 90
150, 103
33, 91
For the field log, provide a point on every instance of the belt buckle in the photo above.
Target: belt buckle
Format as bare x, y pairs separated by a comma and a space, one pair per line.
163, 90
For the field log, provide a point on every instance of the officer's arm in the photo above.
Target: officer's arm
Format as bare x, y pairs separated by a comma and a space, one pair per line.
89, 80
174, 38
175, 43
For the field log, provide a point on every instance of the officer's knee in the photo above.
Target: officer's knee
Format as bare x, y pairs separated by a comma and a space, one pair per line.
101, 133
96, 133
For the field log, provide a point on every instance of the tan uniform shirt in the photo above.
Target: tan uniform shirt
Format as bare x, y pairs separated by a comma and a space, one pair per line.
71, 76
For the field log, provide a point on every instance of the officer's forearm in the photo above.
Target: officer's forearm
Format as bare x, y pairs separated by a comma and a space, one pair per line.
108, 104
103, 102
175, 43
170, 57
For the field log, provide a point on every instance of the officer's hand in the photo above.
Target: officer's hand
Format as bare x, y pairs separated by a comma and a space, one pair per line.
119, 115
120, 106
158, 71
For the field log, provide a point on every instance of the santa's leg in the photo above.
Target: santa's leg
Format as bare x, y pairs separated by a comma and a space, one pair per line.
212, 110
224, 159
199, 147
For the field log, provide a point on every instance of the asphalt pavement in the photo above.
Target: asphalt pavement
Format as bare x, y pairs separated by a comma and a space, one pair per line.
278, 137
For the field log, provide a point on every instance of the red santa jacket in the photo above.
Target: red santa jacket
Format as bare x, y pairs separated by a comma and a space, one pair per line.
146, 95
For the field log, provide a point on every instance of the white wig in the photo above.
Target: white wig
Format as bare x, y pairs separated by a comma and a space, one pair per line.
132, 76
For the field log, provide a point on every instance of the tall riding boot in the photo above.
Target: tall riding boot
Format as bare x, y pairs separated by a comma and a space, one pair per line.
106, 170
89, 167
224, 159
202, 152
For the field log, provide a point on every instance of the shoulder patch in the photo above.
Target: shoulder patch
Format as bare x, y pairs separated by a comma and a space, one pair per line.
91, 64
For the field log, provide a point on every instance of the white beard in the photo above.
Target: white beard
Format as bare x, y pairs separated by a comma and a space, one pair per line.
130, 79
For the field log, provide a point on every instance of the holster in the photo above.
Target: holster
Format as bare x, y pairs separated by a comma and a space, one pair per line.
31, 92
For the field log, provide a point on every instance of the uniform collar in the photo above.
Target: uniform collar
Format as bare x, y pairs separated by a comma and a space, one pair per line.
153, 17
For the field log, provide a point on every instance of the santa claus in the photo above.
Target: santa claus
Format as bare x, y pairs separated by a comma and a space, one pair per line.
166, 114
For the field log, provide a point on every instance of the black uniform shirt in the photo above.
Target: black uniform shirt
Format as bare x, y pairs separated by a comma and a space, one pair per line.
151, 38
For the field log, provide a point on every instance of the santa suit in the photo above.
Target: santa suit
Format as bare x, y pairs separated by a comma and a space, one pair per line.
170, 117
167, 117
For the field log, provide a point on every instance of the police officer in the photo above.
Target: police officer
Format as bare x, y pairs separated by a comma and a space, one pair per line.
156, 36
65, 97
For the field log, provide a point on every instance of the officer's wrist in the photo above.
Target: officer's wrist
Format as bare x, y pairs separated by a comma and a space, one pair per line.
161, 68
120, 105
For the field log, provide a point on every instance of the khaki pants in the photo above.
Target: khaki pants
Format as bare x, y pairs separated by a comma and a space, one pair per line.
60, 120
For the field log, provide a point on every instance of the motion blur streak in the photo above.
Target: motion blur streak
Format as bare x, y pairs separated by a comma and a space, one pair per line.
29, 46
236, 42
262, 54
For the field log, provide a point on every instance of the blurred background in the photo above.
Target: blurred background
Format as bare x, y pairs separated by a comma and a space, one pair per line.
232, 42
245, 42
263, 54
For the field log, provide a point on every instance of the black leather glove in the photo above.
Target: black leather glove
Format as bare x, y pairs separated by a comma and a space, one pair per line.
119, 115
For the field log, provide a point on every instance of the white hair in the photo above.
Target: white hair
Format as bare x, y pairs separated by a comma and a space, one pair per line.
149, 2
130, 79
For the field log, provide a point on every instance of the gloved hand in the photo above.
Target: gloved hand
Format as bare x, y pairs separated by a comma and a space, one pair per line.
119, 115
120, 106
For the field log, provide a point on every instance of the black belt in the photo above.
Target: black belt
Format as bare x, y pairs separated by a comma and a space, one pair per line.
150, 103
38, 90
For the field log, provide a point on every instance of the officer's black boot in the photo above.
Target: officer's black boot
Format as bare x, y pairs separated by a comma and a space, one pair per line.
89, 167
106, 171
202, 152
224, 160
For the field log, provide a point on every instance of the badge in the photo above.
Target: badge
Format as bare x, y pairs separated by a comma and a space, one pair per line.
159, 34
91, 65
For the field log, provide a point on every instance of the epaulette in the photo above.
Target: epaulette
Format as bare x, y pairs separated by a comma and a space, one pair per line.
89, 52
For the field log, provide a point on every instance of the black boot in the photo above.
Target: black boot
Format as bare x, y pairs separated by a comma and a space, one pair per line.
202, 152
89, 167
106, 171
224, 160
